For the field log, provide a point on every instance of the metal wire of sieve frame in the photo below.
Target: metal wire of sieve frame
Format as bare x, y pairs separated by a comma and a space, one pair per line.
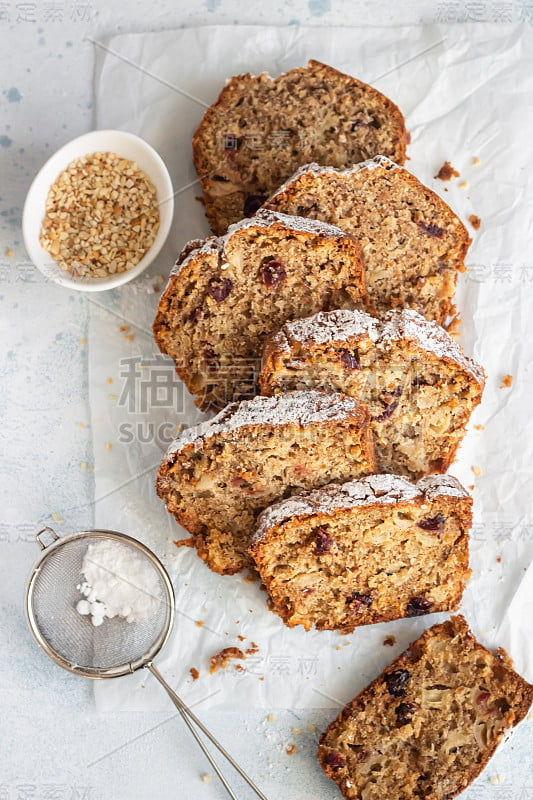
92, 535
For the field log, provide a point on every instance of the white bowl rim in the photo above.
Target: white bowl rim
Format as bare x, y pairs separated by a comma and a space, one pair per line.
92, 142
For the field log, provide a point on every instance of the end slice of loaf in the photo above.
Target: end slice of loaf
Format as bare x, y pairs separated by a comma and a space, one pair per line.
226, 294
217, 476
369, 550
417, 381
413, 244
261, 129
428, 725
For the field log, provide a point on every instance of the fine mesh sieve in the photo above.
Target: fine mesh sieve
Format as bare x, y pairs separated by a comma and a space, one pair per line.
116, 647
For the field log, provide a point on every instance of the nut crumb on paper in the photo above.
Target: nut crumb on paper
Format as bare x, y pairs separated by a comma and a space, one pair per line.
476, 161
194, 673
206, 778
496, 780
507, 382
464, 185
222, 659
271, 718
479, 427
475, 221
476, 470
447, 172
57, 518
389, 641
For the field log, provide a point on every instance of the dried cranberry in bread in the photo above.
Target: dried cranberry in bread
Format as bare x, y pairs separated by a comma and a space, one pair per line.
261, 129
370, 550
420, 386
226, 294
413, 243
428, 725
217, 476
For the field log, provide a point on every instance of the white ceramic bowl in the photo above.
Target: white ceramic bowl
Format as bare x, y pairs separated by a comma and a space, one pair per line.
124, 144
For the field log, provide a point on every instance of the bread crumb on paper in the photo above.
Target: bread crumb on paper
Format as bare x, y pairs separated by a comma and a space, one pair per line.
291, 749
206, 778
194, 673
507, 382
479, 427
447, 172
184, 542
475, 221
476, 470
464, 185
222, 659
389, 641
476, 161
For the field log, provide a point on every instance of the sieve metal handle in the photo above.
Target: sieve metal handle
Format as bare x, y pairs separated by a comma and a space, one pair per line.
189, 718
52, 533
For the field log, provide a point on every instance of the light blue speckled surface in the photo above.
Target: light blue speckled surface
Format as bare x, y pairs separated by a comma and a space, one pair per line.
53, 744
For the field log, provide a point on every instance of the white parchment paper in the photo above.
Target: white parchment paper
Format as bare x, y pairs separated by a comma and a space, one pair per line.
466, 92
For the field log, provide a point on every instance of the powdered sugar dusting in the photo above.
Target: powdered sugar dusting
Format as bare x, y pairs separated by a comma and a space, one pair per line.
331, 326
409, 324
317, 170
295, 408
197, 248
397, 326
435, 485
373, 489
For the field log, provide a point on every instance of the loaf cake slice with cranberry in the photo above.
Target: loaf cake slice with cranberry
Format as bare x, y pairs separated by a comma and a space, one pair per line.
420, 386
428, 725
261, 129
369, 550
226, 294
413, 243
216, 477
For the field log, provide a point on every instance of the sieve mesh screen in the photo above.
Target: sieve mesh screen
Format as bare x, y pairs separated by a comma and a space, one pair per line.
72, 636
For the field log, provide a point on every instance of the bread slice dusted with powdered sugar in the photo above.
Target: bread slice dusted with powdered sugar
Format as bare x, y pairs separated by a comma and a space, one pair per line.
218, 476
261, 129
226, 294
413, 244
369, 550
428, 725
417, 381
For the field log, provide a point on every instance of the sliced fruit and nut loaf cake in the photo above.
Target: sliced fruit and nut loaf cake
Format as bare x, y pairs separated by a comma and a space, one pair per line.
261, 129
369, 550
217, 476
428, 725
226, 294
413, 244
420, 386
